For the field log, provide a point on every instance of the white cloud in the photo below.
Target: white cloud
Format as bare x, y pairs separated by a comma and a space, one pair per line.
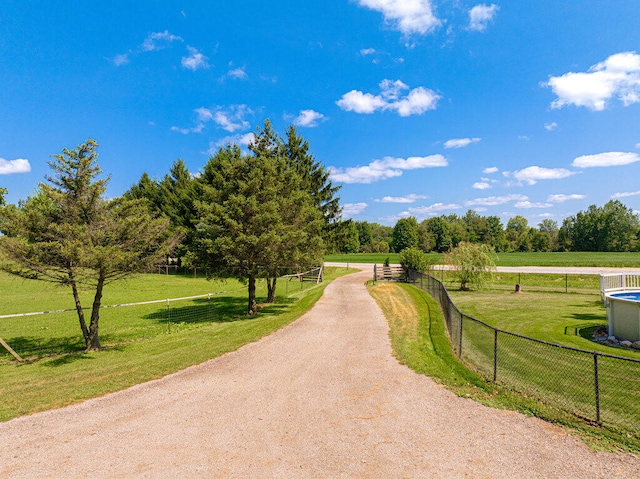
561, 198
359, 102
230, 119
492, 169
195, 60
532, 174
386, 168
159, 40
352, 209
637, 145
433, 209
238, 74
460, 142
616, 77
495, 200
550, 126
416, 102
121, 59
411, 198
613, 158
481, 15
481, 185
367, 51
408, 16
625, 194
10, 167
308, 118
528, 204
242, 139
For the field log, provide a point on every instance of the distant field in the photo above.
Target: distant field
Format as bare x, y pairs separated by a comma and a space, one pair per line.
613, 260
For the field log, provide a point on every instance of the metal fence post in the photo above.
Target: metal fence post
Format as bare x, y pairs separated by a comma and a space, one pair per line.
168, 316
495, 355
597, 385
460, 348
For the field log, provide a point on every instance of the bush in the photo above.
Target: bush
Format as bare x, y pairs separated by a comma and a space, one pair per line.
415, 259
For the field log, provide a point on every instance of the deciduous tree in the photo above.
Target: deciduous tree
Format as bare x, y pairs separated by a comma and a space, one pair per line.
474, 264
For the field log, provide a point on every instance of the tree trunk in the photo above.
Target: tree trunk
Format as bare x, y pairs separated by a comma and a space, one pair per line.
76, 297
271, 289
253, 306
93, 341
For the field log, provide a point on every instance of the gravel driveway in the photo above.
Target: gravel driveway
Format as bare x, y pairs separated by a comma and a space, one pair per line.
322, 398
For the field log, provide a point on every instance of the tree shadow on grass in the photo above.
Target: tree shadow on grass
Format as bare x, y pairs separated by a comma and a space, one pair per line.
38, 347
221, 309
588, 316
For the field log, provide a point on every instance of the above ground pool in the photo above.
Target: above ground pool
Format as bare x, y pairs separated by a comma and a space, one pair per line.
623, 314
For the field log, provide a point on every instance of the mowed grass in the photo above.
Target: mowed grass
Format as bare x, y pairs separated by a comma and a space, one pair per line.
574, 259
419, 340
62, 379
23, 295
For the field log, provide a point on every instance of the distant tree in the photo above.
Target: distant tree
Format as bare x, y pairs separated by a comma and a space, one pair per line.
495, 234
550, 228
516, 233
474, 264
67, 233
612, 227
364, 236
539, 241
405, 234
3, 193
380, 247
255, 215
457, 230
477, 228
351, 241
438, 227
425, 238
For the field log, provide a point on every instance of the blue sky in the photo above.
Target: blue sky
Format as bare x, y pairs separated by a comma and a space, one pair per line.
419, 107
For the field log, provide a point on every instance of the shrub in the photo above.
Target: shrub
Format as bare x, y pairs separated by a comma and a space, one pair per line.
415, 259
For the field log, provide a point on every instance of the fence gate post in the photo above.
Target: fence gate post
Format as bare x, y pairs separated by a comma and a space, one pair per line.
597, 385
495, 355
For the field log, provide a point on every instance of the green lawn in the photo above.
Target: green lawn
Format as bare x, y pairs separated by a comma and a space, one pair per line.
22, 295
618, 260
139, 346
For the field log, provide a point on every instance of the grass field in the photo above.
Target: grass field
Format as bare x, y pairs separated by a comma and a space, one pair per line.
614, 260
419, 339
133, 355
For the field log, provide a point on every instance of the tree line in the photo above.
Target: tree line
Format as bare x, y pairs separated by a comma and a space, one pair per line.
612, 227
260, 214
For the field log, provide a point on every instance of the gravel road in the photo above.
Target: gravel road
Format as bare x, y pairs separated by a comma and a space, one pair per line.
321, 398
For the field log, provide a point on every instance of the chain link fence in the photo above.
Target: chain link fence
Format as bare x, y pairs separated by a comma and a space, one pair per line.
598, 387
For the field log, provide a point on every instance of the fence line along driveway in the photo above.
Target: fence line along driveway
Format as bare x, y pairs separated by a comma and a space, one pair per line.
323, 397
